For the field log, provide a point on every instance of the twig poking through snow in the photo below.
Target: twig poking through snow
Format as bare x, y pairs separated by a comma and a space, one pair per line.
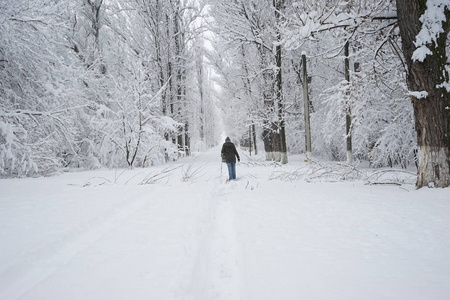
191, 173
316, 171
397, 177
154, 177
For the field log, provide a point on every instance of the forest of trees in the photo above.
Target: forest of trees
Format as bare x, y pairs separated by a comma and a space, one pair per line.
133, 83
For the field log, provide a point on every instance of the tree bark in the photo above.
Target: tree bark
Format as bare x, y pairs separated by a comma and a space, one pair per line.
348, 115
254, 138
248, 87
278, 4
269, 130
306, 108
432, 113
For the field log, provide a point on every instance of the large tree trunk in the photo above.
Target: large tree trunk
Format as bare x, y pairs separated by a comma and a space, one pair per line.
248, 88
274, 135
432, 116
269, 126
278, 4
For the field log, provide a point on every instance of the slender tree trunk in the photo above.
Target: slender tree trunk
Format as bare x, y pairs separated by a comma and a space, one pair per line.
278, 4
250, 139
200, 84
254, 138
348, 115
432, 116
187, 139
306, 108
170, 78
178, 35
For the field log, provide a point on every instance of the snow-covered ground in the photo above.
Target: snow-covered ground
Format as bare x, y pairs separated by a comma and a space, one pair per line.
180, 232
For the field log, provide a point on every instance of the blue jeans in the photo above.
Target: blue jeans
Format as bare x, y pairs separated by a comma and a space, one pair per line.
231, 170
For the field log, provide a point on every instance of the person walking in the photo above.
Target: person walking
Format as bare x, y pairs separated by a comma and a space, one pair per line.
230, 153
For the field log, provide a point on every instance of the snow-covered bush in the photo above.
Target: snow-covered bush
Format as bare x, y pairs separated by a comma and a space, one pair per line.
36, 88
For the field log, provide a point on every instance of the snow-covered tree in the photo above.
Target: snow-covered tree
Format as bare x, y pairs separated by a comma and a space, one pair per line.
38, 88
375, 94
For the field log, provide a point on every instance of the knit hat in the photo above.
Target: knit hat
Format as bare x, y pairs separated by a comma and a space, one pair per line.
227, 139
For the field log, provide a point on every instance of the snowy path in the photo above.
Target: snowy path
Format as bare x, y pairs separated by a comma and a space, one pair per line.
220, 259
187, 235
216, 269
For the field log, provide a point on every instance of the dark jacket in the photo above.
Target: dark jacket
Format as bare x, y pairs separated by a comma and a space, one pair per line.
229, 152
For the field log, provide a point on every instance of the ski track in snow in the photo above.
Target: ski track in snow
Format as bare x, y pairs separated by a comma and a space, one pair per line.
224, 263
215, 271
219, 264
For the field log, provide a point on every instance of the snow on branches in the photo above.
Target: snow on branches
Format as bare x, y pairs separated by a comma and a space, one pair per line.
432, 20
